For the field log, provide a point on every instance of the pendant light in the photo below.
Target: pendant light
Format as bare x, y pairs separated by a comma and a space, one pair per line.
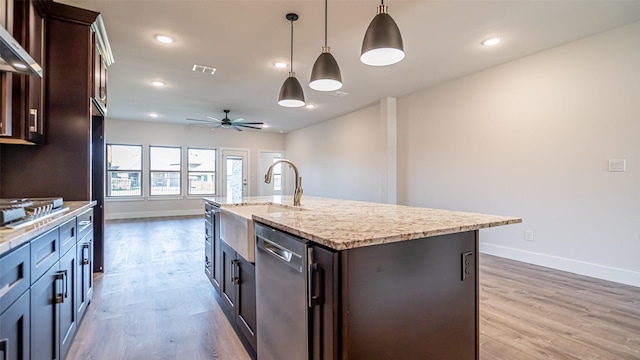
291, 94
325, 75
382, 44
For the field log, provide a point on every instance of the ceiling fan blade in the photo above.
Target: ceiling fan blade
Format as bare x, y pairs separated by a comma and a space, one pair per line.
249, 123
247, 126
236, 128
212, 118
206, 121
237, 120
217, 126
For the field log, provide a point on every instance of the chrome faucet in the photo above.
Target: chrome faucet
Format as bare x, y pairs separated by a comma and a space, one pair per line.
297, 192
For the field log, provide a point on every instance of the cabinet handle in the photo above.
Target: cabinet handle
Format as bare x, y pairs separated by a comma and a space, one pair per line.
34, 117
311, 272
234, 278
85, 260
4, 348
59, 299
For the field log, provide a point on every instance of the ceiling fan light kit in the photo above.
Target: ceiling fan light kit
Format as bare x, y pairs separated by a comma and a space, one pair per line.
291, 94
382, 44
325, 75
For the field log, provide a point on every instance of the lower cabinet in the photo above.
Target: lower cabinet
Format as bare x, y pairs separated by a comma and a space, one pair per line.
53, 315
14, 330
238, 291
84, 280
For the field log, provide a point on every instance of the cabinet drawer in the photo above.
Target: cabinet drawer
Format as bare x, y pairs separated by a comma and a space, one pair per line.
85, 223
14, 276
67, 236
45, 251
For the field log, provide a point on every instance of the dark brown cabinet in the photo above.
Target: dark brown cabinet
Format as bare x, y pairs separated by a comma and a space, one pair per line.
238, 292
23, 95
101, 61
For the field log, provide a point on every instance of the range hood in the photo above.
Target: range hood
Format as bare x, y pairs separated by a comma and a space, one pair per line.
15, 59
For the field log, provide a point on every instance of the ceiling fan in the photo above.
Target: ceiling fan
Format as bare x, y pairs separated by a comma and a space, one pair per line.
227, 123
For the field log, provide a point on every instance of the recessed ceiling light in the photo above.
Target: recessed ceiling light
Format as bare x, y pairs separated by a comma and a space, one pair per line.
158, 83
164, 39
310, 106
492, 41
264, 126
280, 64
19, 66
153, 115
204, 69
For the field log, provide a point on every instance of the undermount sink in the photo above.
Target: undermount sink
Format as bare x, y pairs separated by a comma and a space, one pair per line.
236, 226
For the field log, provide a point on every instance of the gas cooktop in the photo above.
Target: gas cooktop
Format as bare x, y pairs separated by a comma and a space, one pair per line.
16, 213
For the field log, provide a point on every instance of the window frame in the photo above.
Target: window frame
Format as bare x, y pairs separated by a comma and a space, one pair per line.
152, 171
214, 172
107, 182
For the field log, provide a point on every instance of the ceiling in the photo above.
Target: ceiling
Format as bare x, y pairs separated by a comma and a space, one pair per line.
242, 39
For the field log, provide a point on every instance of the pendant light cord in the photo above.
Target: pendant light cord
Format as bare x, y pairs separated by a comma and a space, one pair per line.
291, 68
325, 22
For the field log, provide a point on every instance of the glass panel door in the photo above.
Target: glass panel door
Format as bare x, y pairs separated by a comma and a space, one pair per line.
235, 174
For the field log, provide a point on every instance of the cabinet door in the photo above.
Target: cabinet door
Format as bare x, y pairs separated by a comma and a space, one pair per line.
34, 93
14, 276
45, 251
229, 278
246, 299
67, 306
324, 314
45, 294
208, 252
67, 233
14, 330
84, 281
6, 79
216, 249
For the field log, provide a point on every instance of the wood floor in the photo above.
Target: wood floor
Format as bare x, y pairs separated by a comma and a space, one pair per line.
154, 302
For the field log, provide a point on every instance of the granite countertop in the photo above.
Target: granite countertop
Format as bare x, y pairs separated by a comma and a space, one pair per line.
11, 239
343, 224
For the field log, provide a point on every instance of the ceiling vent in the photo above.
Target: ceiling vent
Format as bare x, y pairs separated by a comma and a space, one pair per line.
204, 69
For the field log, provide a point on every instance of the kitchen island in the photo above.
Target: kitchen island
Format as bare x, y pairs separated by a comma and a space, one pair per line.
382, 281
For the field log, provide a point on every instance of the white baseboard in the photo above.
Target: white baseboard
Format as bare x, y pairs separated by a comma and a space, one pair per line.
151, 214
598, 271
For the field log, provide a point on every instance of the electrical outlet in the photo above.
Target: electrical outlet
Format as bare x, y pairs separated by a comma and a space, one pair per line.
467, 265
528, 235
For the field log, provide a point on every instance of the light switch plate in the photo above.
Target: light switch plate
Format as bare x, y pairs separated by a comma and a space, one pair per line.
617, 165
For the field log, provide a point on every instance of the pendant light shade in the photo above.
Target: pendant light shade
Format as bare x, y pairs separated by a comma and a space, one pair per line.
325, 75
291, 94
382, 44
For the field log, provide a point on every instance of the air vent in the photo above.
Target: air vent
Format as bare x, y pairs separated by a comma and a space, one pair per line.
204, 69
339, 93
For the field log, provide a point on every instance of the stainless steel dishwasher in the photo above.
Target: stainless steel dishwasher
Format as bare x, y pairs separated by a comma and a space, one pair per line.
282, 305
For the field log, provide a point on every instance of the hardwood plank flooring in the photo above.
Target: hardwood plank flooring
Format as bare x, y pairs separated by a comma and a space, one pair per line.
154, 302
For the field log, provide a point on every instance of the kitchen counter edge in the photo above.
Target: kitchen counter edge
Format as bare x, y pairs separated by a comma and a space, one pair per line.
350, 238
13, 238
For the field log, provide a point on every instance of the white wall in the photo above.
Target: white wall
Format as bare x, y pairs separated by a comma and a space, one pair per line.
529, 138
341, 158
532, 138
143, 133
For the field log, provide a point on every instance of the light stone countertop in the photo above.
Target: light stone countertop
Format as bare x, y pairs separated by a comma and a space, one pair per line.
343, 224
11, 239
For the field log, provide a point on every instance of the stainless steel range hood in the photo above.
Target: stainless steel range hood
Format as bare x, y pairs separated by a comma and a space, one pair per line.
15, 59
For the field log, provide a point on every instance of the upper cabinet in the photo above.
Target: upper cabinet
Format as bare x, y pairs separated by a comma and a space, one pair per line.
102, 59
22, 96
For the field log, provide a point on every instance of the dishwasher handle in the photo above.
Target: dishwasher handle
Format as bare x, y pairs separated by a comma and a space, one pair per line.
285, 255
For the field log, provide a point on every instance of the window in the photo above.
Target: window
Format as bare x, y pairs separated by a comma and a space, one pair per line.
164, 168
124, 170
201, 171
277, 176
